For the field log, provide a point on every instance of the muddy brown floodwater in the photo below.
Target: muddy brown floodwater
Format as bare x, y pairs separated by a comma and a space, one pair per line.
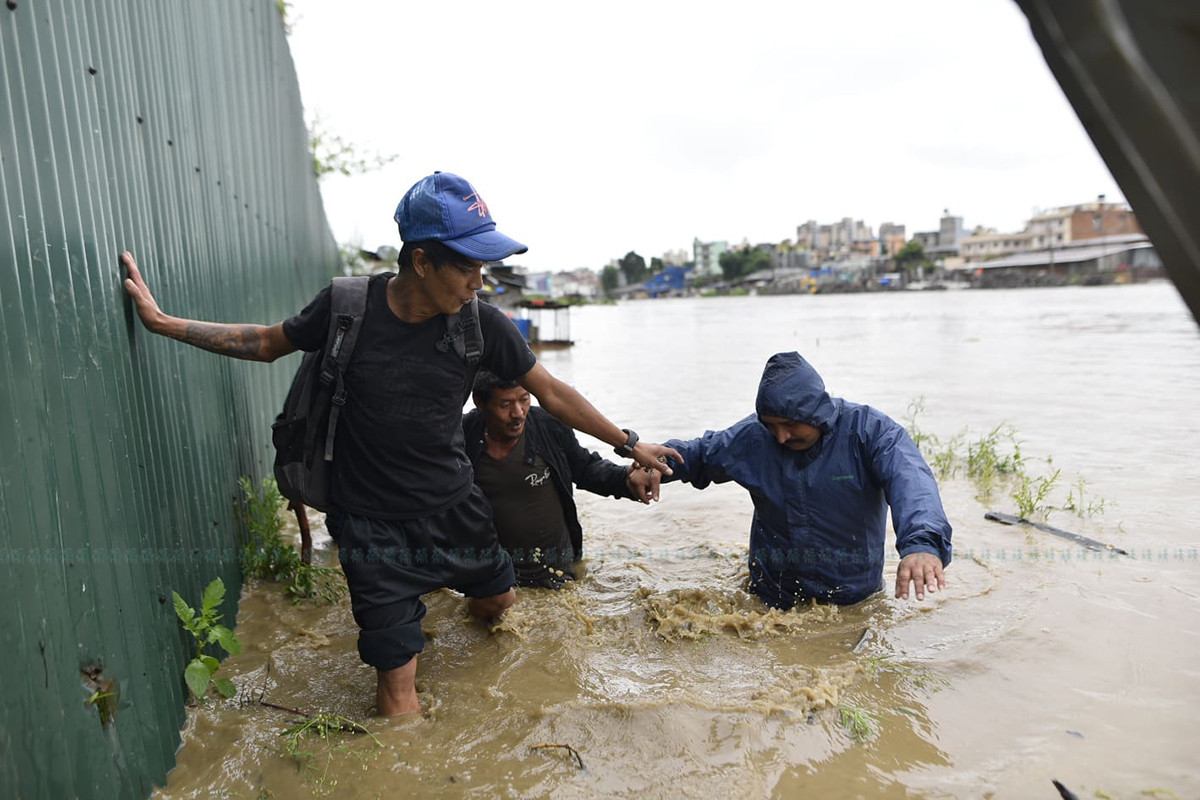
1040, 660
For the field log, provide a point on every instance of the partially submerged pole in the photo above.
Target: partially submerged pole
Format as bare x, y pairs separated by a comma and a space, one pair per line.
1090, 544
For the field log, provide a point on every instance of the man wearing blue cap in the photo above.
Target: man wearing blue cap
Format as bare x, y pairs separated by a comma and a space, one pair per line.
402, 482
822, 472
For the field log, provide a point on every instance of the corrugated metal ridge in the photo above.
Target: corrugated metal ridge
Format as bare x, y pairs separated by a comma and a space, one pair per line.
173, 129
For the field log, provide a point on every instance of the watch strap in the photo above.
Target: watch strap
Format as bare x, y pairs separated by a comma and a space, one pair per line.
626, 450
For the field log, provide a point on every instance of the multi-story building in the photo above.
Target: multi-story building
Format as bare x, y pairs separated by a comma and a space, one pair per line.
675, 258
944, 244
985, 243
836, 240
577, 283
1052, 228
538, 282
927, 239
891, 238
707, 258
786, 255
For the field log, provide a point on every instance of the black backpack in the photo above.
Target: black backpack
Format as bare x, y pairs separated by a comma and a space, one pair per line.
303, 433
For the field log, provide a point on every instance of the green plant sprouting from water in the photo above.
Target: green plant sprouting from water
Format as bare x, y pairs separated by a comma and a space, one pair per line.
1080, 507
995, 460
329, 729
1030, 494
267, 556
206, 629
993, 457
860, 723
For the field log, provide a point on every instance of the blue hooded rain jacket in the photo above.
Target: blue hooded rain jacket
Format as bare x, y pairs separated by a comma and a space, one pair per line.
820, 515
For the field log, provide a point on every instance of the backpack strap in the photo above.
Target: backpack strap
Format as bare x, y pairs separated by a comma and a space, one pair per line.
468, 339
465, 334
347, 306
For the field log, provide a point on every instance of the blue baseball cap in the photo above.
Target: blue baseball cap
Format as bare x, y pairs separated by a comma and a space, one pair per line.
446, 208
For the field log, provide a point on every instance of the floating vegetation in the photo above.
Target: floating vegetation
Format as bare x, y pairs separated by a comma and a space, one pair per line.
860, 723
918, 676
329, 730
315, 582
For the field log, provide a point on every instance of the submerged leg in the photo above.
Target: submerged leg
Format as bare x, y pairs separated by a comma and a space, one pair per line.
488, 608
396, 690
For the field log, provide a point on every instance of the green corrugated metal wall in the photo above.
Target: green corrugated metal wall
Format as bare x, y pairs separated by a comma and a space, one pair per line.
173, 129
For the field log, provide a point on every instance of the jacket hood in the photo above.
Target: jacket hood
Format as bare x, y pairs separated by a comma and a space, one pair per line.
792, 389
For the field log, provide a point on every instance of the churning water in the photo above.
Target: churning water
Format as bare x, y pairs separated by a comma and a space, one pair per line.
1040, 660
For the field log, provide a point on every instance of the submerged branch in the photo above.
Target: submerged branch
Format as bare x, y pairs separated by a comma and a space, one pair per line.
566, 747
342, 724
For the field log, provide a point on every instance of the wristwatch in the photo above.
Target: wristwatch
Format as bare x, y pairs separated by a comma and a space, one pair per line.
626, 450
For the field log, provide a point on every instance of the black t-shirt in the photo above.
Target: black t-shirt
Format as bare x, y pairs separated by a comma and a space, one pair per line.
527, 512
399, 449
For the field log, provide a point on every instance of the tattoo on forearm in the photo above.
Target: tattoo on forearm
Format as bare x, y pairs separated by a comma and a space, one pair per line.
239, 341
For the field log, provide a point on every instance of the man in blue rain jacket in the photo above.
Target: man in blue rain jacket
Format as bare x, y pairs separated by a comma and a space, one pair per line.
822, 472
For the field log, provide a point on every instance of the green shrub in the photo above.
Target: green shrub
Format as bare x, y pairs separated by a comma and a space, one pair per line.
266, 555
206, 629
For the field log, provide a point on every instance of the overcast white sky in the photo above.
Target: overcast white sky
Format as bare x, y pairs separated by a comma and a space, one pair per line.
593, 130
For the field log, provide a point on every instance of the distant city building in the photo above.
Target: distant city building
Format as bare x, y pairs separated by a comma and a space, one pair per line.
1055, 228
538, 282
891, 238
670, 282
1118, 258
946, 241
835, 236
927, 239
675, 258
583, 283
787, 256
707, 258
837, 240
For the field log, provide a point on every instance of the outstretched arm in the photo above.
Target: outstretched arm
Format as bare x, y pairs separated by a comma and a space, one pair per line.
250, 342
571, 407
596, 474
922, 530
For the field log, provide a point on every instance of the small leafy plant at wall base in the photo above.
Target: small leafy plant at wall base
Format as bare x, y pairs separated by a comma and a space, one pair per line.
267, 556
314, 582
206, 629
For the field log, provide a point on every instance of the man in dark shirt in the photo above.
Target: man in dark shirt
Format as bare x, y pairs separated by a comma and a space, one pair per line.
526, 461
411, 519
